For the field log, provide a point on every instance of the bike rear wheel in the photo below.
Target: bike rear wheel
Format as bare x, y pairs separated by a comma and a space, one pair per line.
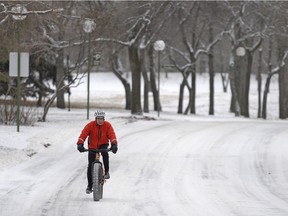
97, 182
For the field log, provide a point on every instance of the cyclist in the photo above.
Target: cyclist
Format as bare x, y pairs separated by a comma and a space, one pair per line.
99, 132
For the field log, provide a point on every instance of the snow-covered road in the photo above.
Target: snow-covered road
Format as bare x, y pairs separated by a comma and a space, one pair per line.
165, 167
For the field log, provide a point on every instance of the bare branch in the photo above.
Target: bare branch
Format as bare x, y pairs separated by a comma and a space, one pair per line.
209, 47
160, 26
36, 12
282, 64
180, 53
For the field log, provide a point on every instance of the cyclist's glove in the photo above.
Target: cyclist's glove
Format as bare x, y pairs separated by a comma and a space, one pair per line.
80, 147
114, 148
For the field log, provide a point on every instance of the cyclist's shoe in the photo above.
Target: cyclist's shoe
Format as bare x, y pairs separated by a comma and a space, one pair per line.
107, 175
88, 190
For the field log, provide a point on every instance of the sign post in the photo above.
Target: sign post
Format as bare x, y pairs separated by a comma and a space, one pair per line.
88, 26
159, 46
18, 67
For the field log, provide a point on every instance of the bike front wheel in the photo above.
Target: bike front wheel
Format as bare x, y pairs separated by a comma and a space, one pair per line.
97, 182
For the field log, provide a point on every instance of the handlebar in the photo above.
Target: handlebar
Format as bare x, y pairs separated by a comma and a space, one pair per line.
98, 150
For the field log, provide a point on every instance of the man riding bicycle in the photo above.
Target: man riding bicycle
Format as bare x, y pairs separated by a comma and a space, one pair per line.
100, 132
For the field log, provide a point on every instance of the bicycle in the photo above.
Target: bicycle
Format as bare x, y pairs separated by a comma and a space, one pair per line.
97, 174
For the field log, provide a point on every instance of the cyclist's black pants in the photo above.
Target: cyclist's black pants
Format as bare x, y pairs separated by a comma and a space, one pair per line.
91, 159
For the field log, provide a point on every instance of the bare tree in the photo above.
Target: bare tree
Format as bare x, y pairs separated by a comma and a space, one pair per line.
245, 31
192, 26
259, 83
271, 72
143, 23
118, 71
185, 73
137, 25
72, 83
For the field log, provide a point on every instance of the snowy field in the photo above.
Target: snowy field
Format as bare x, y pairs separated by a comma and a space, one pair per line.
196, 165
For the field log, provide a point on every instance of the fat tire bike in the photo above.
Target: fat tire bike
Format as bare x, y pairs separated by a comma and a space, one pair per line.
97, 174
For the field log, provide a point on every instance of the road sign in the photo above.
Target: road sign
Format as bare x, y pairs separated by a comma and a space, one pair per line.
13, 64
96, 58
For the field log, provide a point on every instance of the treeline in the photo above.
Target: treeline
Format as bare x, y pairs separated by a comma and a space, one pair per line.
234, 38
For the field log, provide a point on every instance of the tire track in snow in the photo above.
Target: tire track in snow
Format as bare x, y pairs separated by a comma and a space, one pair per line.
165, 168
217, 167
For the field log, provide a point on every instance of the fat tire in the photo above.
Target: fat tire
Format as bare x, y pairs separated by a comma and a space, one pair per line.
97, 182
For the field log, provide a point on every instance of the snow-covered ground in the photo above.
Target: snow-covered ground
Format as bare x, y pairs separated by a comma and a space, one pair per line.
173, 165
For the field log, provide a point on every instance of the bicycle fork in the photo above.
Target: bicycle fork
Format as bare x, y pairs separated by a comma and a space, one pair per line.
97, 160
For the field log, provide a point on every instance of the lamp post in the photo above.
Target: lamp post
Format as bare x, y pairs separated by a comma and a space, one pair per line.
159, 46
88, 26
19, 11
239, 52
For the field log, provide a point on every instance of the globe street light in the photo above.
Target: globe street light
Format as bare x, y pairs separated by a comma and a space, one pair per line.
19, 15
19, 11
88, 26
240, 51
159, 46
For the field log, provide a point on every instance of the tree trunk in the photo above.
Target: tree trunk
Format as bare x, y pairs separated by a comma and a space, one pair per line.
47, 106
224, 76
211, 74
283, 93
267, 84
189, 102
211, 85
135, 66
241, 62
116, 70
41, 90
283, 78
225, 81
60, 74
128, 95
152, 77
234, 107
265, 96
146, 81
193, 90
181, 97
245, 107
245, 69
259, 84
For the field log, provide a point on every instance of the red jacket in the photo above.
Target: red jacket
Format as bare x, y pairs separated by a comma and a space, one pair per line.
98, 134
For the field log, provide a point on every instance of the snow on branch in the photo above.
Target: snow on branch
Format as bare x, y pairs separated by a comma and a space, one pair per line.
209, 47
35, 12
24, 12
282, 64
250, 35
185, 18
4, 12
160, 26
4, 20
66, 44
180, 53
52, 41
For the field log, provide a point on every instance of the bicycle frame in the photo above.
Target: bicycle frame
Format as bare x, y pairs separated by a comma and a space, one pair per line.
97, 155
97, 151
